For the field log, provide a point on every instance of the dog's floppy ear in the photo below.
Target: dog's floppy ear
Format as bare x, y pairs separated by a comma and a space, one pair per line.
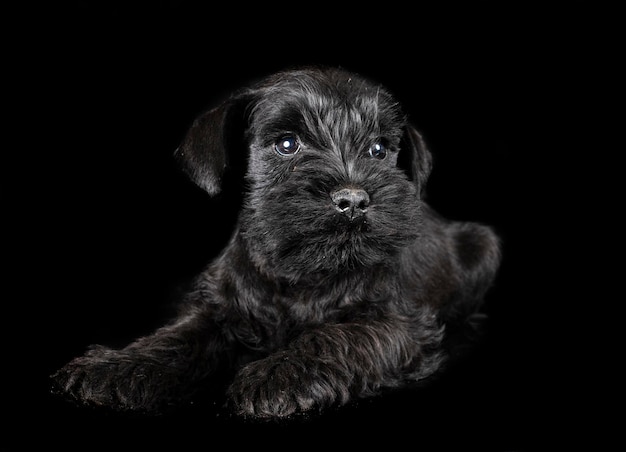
207, 150
415, 157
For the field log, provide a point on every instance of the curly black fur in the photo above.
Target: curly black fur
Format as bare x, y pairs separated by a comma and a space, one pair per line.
338, 280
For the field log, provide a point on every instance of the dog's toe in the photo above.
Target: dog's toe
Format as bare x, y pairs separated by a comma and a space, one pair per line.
259, 400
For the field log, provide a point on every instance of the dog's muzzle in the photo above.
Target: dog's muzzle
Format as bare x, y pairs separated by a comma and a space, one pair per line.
352, 202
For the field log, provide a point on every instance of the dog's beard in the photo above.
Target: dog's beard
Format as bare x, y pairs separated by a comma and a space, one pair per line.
294, 231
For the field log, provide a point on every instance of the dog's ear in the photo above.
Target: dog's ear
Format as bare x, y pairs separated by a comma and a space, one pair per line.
208, 148
415, 157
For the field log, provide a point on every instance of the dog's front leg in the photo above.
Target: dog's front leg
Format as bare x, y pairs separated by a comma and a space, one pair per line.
150, 373
334, 363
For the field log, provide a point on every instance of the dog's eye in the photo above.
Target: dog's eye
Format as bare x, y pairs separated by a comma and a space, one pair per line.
287, 145
378, 150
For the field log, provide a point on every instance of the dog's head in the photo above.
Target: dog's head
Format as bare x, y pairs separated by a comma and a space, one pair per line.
334, 171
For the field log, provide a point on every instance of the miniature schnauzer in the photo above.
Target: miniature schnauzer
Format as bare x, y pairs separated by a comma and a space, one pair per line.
338, 280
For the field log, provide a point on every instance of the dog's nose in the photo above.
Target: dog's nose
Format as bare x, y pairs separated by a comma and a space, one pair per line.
352, 202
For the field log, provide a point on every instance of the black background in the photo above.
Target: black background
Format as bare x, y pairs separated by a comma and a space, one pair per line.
102, 229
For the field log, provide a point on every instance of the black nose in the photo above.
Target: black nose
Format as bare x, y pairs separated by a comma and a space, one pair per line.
352, 202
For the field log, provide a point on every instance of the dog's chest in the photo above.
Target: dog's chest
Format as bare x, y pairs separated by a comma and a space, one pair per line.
300, 306
325, 302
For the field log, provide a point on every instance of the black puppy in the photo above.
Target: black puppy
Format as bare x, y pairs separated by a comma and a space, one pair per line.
338, 279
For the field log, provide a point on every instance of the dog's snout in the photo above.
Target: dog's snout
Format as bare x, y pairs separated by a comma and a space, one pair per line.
352, 202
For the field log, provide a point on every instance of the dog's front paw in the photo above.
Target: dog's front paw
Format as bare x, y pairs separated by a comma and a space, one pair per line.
87, 379
279, 386
104, 378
